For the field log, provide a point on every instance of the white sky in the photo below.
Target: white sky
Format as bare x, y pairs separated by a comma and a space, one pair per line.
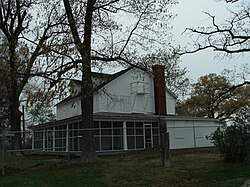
190, 14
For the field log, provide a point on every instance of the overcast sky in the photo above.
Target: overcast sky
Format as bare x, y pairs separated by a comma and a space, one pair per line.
190, 14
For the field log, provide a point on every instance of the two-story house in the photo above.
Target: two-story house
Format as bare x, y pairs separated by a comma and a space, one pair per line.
127, 109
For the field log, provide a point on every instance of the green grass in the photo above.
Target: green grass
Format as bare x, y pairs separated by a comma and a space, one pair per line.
189, 169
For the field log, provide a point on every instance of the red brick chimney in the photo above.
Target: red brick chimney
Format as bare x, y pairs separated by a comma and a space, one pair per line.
159, 90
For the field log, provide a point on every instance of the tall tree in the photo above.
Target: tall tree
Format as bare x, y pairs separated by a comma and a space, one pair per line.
27, 29
108, 31
214, 96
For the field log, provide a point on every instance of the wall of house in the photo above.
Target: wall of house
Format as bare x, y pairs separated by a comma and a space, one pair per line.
132, 92
68, 109
170, 104
126, 134
71, 108
190, 133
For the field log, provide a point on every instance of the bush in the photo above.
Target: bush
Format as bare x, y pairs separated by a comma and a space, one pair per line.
232, 142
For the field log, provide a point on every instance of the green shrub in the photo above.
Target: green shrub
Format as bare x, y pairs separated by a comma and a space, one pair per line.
232, 142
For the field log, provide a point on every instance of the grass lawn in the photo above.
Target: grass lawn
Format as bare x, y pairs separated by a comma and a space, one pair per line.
190, 168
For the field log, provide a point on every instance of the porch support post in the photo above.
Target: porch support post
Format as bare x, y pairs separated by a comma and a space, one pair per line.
43, 139
33, 141
67, 137
54, 138
125, 145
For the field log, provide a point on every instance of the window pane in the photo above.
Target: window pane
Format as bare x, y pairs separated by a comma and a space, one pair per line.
131, 142
96, 126
71, 143
73, 130
139, 124
130, 128
139, 142
75, 133
64, 129
156, 141
155, 130
155, 124
118, 124
71, 127
117, 143
76, 125
117, 128
76, 144
106, 128
148, 132
57, 145
139, 128
106, 143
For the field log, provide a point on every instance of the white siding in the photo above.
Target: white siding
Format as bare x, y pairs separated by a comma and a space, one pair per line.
120, 96
190, 133
68, 109
180, 135
132, 92
170, 104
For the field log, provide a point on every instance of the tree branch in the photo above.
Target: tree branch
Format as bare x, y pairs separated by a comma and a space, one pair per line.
104, 5
232, 38
72, 24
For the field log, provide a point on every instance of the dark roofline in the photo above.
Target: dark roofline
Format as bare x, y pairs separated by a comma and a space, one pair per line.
111, 76
172, 93
125, 117
68, 99
93, 74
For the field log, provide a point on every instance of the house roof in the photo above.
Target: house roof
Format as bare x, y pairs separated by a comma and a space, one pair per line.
106, 78
171, 93
126, 117
99, 81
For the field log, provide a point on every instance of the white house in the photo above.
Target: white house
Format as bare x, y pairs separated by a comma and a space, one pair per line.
127, 109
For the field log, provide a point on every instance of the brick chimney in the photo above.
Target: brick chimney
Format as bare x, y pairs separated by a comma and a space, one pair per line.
159, 90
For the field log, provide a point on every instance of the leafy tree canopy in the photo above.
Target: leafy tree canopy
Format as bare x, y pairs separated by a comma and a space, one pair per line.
41, 112
214, 96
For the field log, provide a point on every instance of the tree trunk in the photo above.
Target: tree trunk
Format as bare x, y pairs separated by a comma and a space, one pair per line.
165, 149
88, 151
84, 48
15, 116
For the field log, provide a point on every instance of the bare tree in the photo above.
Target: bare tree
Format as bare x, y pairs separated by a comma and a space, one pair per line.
106, 31
27, 30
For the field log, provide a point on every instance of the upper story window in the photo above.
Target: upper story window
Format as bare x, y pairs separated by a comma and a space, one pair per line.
139, 88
